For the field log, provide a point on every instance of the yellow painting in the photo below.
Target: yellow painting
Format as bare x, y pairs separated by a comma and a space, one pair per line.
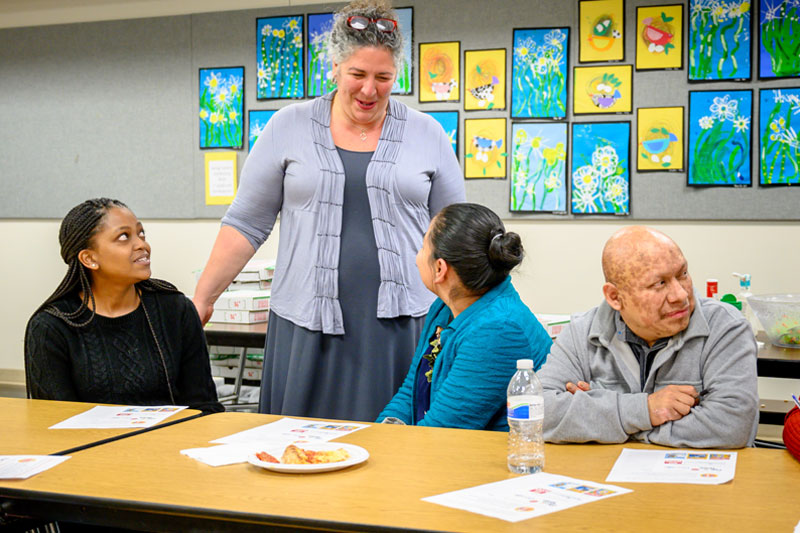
659, 37
601, 90
601, 30
659, 139
485, 79
439, 71
485, 150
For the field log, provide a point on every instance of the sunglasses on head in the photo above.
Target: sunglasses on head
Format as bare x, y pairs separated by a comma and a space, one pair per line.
359, 22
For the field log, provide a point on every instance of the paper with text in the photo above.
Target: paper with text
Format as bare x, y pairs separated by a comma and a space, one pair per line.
120, 417
705, 467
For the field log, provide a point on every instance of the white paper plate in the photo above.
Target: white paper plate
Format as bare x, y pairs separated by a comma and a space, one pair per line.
357, 455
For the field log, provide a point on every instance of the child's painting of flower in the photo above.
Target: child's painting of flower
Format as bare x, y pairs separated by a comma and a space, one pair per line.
602, 90
449, 122
659, 37
485, 150
539, 76
320, 65
659, 139
600, 181
780, 146
719, 137
279, 57
404, 83
221, 107
258, 121
539, 167
485, 79
719, 40
601, 30
439, 71
778, 43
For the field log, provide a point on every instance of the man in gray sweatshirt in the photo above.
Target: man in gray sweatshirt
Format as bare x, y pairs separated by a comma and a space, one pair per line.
653, 362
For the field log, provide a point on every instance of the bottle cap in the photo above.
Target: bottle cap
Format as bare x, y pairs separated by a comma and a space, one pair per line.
524, 364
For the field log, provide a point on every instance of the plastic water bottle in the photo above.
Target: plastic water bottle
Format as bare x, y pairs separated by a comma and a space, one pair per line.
525, 416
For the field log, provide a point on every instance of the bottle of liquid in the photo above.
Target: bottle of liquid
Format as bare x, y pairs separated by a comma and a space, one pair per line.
743, 294
525, 417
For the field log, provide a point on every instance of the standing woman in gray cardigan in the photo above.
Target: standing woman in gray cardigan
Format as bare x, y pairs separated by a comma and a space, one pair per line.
356, 176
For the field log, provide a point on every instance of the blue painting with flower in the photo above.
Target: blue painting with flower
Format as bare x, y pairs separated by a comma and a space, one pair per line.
601, 168
719, 39
778, 45
403, 84
719, 137
449, 122
539, 167
780, 145
320, 64
258, 121
221, 107
279, 54
539, 75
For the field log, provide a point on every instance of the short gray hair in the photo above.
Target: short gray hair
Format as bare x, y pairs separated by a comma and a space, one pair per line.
344, 40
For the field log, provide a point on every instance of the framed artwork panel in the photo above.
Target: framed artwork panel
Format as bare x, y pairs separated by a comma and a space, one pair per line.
257, 121
778, 30
603, 89
439, 71
538, 167
660, 140
449, 122
659, 37
719, 137
279, 57
779, 112
600, 180
319, 79
404, 84
539, 75
719, 40
485, 79
221, 107
601, 30
485, 148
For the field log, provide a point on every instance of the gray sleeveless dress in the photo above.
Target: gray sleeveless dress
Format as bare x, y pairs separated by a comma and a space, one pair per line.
351, 376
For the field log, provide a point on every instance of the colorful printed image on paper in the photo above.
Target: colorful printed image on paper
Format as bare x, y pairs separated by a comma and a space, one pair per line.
258, 121
659, 138
659, 37
719, 39
404, 83
449, 122
778, 44
719, 137
600, 168
485, 79
601, 30
439, 72
605, 89
320, 65
539, 76
279, 53
538, 167
780, 145
221, 107
485, 150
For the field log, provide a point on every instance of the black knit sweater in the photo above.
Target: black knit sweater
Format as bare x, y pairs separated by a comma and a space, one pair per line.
115, 360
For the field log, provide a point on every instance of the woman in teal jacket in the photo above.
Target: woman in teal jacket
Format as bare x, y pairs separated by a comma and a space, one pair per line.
474, 332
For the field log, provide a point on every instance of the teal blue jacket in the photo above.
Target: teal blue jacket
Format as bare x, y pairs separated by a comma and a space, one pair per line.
479, 353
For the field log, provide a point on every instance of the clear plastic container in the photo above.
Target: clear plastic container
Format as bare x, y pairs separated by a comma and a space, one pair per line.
525, 416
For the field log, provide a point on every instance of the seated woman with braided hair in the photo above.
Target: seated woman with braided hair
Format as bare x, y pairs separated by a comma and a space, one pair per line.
474, 332
109, 333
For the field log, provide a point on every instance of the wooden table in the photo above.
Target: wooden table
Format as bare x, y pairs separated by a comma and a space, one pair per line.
143, 482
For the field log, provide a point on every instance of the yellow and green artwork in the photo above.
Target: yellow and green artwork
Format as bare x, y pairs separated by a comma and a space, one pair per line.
604, 89
660, 139
659, 37
601, 30
539, 167
439, 71
485, 150
279, 53
485, 79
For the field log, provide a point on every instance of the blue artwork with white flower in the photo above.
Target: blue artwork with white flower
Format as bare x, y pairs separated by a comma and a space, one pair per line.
258, 121
404, 82
221, 107
279, 54
539, 75
449, 122
719, 137
320, 64
719, 39
780, 145
601, 168
539, 167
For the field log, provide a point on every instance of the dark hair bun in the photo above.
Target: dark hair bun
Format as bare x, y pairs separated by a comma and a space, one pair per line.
505, 251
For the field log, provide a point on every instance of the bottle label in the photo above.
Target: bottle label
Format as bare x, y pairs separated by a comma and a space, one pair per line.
525, 407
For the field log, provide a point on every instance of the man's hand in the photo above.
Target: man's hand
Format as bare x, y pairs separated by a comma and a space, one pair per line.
673, 402
582, 385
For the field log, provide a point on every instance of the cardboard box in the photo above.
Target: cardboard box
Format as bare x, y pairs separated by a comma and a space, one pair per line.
229, 316
554, 324
243, 300
260, 285
232, 372
256, 269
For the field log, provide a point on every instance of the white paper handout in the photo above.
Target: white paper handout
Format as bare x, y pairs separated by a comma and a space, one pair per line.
526, 497
705, 467
119, 417
25, 466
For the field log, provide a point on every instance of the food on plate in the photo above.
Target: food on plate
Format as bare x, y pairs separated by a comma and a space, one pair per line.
293, 455
267, 458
